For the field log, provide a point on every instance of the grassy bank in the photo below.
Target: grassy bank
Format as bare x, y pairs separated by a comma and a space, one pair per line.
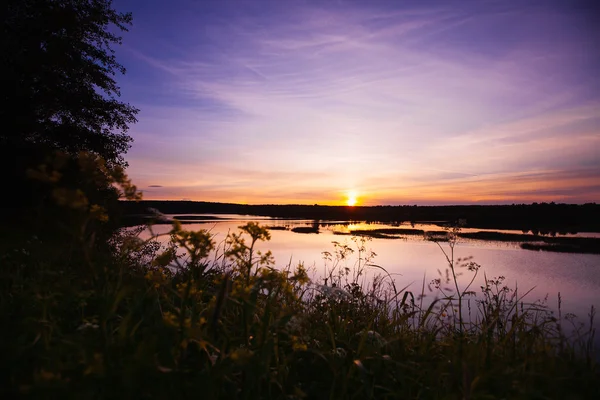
135, 320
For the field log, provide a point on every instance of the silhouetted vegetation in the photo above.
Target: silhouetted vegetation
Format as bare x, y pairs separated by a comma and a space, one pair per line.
305, 229
373, 234
58, 77
400, 231
59, 94
389, 231
134, 318
528, 242
570, 245
187, 218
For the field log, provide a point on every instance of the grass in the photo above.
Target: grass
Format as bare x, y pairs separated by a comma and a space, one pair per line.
130, 318
149, 322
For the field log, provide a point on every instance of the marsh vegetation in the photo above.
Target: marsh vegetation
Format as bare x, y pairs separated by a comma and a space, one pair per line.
177, 314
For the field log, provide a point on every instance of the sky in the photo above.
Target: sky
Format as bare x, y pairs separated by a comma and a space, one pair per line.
389, 102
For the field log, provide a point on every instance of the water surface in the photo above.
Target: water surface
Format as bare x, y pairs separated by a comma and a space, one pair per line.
412, 260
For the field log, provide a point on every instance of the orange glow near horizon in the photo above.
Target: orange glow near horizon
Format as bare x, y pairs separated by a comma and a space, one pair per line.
351, 200
414, 187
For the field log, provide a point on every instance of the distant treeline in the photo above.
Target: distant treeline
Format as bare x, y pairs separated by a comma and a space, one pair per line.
542, 218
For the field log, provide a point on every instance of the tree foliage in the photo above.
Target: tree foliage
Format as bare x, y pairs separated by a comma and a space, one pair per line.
59, 69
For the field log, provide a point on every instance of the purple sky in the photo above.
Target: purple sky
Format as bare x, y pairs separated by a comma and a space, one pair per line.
400, 102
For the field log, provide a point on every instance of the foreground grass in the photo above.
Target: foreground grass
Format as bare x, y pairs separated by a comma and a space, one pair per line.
133, 320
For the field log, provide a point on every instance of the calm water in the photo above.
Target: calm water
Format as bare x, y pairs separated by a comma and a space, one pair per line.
412, 260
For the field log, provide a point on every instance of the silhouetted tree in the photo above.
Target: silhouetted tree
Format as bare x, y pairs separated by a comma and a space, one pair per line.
59, 93
58, 72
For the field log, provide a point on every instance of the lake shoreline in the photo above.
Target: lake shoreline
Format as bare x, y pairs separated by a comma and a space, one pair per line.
527, 241
544, 218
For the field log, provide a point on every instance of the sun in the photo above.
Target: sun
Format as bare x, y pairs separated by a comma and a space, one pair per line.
351, 200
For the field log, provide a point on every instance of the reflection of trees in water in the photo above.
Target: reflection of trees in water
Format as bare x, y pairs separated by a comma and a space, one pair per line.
559, 218
312, 228
553, 233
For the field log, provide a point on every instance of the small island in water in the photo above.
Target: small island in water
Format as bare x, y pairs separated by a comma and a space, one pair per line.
541, 226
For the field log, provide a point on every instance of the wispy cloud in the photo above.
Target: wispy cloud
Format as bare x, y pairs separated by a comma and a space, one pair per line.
305, 102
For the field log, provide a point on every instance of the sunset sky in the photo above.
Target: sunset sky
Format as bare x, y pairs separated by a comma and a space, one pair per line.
398, 102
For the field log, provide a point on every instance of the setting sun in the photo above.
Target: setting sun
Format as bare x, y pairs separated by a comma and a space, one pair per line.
351, 201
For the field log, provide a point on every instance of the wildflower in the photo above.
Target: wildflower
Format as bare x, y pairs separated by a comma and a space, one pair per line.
333, 292
340, 352
99, 213
132, 243
241, 355
176, 226
374, 338
41, 174
300, 275
75, 199
96, 366
213, 358
87, 325
170, 319
48, 376
297, 344
299, 347
165, 258
294, 324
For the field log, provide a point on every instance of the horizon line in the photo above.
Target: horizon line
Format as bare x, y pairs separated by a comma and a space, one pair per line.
366, 206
